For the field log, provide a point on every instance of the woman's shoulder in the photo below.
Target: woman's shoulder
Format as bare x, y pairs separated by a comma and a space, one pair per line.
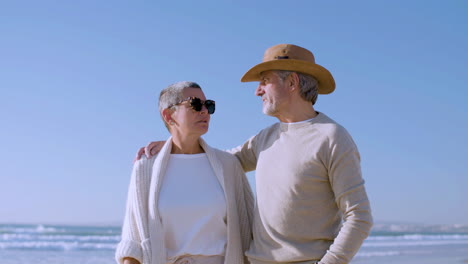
144, 163
142, 171
225, 158
223, 155
229, 162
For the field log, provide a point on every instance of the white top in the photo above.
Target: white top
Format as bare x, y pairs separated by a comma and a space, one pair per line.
192, 207
304, 121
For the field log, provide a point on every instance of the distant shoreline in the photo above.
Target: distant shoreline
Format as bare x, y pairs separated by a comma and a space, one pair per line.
96, 224
379, 227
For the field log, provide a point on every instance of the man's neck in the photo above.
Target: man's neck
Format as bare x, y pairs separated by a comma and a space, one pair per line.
297, 115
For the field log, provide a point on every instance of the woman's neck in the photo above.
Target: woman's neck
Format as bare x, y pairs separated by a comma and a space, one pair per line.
186, 146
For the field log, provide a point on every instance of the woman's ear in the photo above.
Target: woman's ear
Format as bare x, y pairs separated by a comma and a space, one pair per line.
167, 115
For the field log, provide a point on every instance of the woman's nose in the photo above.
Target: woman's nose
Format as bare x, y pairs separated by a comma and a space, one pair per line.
204, 110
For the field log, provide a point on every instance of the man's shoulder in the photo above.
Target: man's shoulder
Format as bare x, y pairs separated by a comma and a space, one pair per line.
332, 131
329, 126
273, 128
329, 134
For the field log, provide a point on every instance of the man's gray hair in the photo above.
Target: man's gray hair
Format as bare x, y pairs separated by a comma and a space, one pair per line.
308, 85
173, 94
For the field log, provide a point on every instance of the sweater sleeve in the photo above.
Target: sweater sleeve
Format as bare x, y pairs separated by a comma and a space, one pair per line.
130, 244
246, 155
348, 186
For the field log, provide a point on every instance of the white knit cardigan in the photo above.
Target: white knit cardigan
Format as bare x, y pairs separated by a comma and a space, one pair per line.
142, 236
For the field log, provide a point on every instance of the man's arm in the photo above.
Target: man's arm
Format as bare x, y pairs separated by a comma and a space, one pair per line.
246, 154
350, 195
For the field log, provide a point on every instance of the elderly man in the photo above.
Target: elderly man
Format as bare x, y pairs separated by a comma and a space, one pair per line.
311, 206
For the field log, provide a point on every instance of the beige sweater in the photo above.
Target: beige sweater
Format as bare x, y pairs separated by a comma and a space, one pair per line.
142, 237
308, 180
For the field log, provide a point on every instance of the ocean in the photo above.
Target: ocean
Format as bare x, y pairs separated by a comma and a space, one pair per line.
66, 244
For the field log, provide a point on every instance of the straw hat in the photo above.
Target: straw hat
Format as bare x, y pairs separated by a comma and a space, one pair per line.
290, 57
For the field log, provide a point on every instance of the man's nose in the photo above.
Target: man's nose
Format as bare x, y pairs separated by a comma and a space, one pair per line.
259, 91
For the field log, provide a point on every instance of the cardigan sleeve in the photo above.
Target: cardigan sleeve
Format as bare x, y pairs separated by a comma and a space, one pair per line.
245, 204
350, 195
130, 244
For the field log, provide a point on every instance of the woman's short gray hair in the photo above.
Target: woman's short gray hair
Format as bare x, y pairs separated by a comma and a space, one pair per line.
308, 85
173, 94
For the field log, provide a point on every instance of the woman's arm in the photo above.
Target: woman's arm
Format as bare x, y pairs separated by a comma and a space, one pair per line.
130, 244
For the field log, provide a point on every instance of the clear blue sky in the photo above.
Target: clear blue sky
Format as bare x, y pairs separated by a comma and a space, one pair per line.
79, 83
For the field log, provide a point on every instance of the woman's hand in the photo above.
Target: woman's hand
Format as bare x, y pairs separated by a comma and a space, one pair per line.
131, 261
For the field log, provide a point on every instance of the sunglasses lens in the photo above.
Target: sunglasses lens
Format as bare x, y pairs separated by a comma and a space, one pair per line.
196, 104
210, 105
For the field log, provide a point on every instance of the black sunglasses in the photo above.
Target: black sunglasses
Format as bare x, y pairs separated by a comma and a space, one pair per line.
197, 104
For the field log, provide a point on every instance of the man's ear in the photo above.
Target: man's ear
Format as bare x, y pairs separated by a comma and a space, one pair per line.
167, 115
293, 81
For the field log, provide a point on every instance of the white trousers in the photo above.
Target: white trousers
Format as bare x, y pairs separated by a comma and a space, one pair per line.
197, 259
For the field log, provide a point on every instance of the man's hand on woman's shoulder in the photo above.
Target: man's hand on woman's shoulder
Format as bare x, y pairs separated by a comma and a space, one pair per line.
150, 150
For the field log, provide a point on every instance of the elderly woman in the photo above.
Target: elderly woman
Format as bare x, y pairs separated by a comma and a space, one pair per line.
191, 203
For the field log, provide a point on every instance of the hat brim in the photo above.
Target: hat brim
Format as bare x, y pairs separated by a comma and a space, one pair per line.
326, 83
